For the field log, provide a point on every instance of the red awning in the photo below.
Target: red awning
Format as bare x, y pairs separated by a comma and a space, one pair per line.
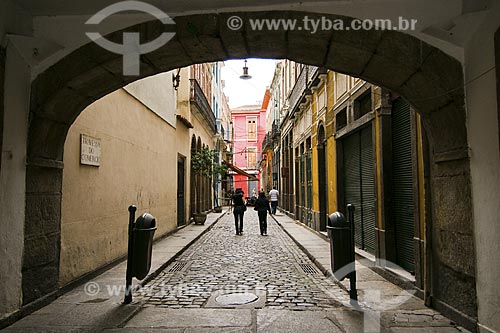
240, 172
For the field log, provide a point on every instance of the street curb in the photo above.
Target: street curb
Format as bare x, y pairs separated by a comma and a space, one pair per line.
36, 305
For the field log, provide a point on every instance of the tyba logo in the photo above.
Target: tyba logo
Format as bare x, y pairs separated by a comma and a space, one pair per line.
131, 49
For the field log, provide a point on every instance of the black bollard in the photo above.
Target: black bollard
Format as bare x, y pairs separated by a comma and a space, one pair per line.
353, 292
128, 280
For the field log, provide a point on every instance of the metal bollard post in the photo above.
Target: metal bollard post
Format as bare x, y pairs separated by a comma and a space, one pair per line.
353, 292
128, 280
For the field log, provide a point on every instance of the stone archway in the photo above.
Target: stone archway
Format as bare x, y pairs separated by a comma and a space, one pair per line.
426, 77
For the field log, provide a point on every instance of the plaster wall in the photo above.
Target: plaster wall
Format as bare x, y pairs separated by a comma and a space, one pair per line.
482, 122
157, 94
202, 131
138, 166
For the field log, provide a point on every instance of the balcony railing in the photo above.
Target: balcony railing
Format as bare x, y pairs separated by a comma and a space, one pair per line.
272, 138
267, 142
298, 89
198, 98
220, 127
301, 87
275, 132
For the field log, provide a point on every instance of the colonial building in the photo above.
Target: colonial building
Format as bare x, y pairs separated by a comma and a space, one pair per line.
202, 103
223, 136
345, 141
270, 159
249, 123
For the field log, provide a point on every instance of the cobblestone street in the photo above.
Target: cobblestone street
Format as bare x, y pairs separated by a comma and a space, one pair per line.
271, 266
228, 283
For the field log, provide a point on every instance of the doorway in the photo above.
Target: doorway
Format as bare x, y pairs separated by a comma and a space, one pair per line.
359, 185
181, 202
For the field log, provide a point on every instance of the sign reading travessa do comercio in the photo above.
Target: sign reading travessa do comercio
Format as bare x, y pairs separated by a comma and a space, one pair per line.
90, 150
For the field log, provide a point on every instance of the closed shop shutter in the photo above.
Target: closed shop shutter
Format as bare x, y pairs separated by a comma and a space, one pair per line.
309, 187
402, 187
359, 186
352, 182
368, 189
297, 186
303, 217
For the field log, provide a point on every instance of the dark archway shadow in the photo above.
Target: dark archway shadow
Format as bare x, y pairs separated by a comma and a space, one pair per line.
430, 80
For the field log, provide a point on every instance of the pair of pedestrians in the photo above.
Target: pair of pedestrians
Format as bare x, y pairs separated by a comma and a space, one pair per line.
261, 206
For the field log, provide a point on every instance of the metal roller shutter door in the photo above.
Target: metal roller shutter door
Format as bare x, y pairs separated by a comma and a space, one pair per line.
402, 185
368, 189
352, 182
359, 185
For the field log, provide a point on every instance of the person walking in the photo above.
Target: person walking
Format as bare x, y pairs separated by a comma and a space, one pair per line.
238, 210
273, 196
262, 207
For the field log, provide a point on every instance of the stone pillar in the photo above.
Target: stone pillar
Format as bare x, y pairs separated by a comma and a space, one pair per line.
453, 262
16, 91
2, 81
385, 229
483, 125
42, 240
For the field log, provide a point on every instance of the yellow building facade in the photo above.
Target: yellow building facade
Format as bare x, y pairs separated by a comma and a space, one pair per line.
346, 141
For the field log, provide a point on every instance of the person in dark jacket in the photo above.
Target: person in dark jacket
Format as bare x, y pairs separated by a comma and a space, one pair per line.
262, 207
238, 210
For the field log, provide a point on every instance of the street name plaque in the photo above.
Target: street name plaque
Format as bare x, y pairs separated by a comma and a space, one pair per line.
90, 150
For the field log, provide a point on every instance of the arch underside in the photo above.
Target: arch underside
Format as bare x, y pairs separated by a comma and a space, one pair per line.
430, 80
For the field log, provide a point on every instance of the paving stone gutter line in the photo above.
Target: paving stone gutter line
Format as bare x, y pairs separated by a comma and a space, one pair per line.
325, 270
155, 271
324, 264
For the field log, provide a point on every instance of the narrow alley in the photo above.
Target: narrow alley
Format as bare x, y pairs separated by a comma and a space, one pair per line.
224, 262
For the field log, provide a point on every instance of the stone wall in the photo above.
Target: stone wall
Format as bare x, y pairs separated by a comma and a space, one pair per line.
42, 235
2, 79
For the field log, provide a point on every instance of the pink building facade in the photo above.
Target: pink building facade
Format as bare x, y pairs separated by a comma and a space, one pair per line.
249, 123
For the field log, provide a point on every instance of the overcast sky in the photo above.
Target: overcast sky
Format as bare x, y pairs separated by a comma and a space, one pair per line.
244, 92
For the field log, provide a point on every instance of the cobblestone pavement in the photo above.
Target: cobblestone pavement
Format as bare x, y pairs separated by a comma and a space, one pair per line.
222, 262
